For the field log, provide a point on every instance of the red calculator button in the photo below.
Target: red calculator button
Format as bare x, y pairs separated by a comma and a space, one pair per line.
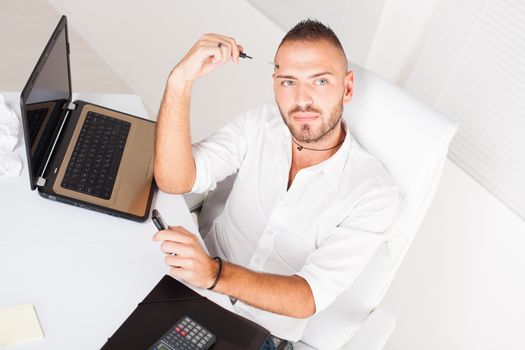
183, 333
177, 330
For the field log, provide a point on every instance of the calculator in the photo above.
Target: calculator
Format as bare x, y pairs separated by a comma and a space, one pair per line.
185, 334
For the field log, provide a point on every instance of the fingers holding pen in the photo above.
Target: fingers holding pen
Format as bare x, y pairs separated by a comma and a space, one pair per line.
176, 234
210, 51
233, 48
226, 52
178, 241
228, 45
171, 247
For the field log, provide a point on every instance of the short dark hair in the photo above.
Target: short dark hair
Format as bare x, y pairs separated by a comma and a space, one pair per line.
312, 30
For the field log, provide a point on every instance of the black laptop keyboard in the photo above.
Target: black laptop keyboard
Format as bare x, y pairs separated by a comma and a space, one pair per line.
94, 164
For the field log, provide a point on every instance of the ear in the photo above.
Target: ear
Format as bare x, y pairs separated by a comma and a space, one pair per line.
349, 87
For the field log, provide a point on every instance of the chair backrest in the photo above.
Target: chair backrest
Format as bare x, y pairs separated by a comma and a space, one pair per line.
411, 140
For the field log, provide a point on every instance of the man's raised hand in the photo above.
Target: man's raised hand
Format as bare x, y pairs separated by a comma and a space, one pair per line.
209, 52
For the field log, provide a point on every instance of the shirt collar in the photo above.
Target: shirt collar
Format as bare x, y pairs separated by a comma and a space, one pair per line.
333, 167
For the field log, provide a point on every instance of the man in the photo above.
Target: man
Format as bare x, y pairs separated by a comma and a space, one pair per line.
308, 206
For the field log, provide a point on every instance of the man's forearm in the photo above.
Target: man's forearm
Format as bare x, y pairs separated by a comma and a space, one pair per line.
174, 165
284, 295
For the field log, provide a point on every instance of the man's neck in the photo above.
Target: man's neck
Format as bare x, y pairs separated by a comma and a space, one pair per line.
305, 157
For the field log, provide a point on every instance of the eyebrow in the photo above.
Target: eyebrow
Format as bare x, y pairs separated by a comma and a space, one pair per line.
310, 77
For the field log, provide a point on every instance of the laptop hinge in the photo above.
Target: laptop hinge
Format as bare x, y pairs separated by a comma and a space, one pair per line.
41, 181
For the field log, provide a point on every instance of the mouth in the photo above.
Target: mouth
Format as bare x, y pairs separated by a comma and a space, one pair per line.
304, 116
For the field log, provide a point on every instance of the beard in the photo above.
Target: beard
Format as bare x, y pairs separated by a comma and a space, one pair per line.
304, 132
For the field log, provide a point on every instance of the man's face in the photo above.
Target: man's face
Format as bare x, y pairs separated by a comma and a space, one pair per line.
310, 86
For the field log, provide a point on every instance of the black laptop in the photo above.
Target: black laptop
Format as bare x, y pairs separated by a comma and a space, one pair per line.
80, 153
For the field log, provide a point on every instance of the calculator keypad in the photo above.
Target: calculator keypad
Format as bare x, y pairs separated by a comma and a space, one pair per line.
186, 334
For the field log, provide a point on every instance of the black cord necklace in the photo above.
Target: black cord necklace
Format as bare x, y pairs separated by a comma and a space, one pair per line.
300, 148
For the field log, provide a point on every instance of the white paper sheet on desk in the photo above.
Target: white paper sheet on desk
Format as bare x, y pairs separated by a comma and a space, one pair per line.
10, 163
19, 323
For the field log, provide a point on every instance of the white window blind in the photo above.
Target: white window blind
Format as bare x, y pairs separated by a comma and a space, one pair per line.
472, 69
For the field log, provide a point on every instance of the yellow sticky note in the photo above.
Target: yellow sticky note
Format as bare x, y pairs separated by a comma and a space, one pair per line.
18, 323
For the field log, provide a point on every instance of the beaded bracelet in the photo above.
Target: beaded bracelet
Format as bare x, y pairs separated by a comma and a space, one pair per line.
218, 273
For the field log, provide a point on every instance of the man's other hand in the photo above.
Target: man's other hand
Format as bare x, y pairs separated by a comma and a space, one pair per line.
186, 257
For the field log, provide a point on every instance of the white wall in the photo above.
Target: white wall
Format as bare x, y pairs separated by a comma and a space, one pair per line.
402, 29
462, 283
383, 35
355, 22
143, 41
25, 28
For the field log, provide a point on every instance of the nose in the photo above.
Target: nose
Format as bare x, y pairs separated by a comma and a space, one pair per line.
303, 96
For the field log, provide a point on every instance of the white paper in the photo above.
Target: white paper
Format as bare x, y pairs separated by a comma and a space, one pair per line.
19, 323
10, 163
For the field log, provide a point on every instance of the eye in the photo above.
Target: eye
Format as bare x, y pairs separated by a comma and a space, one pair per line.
321, 82
287, 83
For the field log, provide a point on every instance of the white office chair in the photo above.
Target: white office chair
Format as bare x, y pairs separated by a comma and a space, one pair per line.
411, 140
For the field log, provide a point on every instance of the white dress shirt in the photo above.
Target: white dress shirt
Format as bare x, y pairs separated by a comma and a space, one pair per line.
324, 228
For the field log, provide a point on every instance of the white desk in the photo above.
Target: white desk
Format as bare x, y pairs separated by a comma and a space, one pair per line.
83, 271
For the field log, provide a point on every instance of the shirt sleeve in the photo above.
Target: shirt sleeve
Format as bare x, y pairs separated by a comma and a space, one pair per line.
334, 266
221, 154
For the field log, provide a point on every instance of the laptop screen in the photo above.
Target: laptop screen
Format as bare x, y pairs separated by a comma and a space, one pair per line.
44, 98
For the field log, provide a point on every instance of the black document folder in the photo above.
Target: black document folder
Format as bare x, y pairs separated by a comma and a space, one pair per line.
167, 303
